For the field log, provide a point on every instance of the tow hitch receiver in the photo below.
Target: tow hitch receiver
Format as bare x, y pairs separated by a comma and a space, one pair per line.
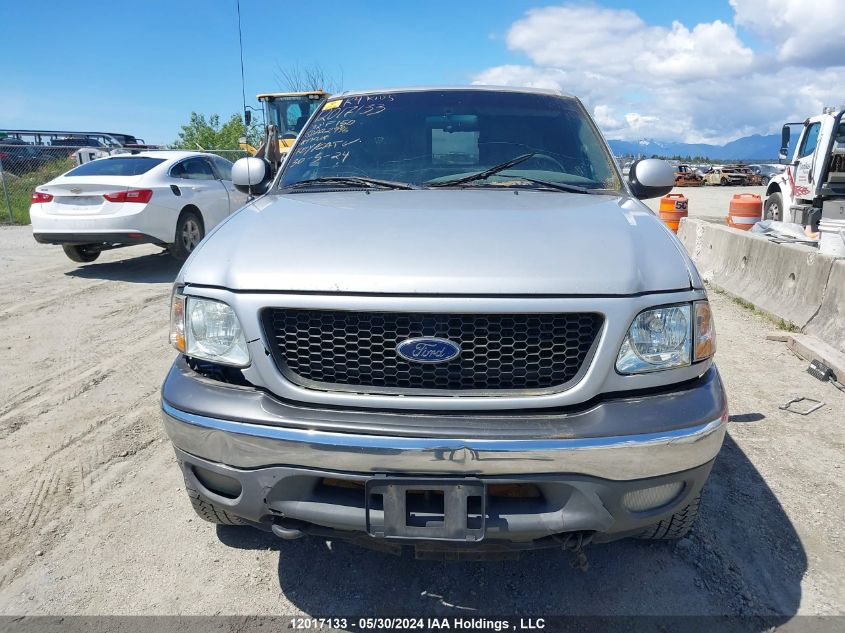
426, 509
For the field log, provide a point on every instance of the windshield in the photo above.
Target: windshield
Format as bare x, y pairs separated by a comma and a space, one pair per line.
430, 138
289, 114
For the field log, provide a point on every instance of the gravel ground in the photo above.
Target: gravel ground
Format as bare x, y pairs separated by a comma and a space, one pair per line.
95, 520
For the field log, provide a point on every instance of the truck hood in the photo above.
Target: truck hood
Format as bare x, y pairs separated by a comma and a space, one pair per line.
469, 241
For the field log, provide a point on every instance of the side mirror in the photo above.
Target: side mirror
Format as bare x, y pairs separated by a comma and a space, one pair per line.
651, 178
252, 176
784, 144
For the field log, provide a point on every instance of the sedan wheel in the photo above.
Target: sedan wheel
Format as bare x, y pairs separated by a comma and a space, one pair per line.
189, 233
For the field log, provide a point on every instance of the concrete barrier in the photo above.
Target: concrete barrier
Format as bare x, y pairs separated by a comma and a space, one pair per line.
829, 322
788, 281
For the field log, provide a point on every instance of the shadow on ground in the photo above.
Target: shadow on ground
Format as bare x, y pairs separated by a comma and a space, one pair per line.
747, 417
744, 558
146, 269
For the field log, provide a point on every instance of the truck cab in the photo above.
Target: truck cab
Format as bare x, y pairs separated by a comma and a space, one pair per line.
815, 170
288, 112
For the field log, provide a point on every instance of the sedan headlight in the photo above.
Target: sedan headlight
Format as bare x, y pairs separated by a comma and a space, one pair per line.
668, 337
207, 329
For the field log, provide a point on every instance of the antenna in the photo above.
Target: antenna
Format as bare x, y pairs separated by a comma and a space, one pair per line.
243, 84
241, 47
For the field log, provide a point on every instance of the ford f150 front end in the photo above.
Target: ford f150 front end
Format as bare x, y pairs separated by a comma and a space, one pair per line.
449, 323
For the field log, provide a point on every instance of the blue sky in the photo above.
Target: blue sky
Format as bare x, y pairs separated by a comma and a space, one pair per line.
143, 66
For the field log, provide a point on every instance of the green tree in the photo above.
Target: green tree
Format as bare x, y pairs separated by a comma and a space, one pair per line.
210, 134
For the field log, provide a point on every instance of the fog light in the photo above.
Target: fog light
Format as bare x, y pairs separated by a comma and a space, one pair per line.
651, 498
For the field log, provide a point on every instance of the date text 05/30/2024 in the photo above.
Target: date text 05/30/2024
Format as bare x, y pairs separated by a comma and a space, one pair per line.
424, 624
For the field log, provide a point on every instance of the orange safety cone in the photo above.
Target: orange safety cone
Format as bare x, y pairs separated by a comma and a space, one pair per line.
673, 207
745, 210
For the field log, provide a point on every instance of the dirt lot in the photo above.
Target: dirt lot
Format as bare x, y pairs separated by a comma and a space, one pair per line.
95, 521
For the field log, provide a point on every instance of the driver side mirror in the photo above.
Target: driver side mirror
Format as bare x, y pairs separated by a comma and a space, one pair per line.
651, 178
252, 176
784, 144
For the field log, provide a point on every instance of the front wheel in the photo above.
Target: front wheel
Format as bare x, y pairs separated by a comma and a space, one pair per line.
189, 233
723, 181
674, 527
773, 209
208, 511
82, 253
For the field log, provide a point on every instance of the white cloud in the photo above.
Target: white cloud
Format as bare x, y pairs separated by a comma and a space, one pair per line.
611, 42
529, 76
806, 32
603, 114
566, 37
696, 83
638, 121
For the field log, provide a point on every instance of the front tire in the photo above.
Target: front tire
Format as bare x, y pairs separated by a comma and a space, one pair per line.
723, 181
674, 527
189, 232
210, 512
82, 253
773, 209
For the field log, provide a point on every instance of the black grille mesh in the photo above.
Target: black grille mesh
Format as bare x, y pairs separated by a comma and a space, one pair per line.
498, 351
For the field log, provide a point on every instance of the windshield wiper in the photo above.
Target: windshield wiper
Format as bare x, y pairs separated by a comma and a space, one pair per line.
560, 186
495, 169
359, 181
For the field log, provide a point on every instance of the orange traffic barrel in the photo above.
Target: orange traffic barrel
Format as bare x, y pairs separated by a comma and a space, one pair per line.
745, 210
673, 207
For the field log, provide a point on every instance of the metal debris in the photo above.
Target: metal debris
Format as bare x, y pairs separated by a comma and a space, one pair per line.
815, 405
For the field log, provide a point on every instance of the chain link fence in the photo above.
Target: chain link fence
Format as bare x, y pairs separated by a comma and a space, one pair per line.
23, 167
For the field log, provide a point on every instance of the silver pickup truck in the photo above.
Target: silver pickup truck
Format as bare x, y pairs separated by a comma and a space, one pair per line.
447, 322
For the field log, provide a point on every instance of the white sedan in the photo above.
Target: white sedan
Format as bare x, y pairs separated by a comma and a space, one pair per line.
168, 198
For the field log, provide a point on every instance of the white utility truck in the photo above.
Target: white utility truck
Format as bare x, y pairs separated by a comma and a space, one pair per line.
813, 183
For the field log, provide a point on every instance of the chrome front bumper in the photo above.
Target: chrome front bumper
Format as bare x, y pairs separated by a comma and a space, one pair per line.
256, 436
247, 445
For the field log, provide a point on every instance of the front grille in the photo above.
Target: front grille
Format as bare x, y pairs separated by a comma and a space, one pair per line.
334, 349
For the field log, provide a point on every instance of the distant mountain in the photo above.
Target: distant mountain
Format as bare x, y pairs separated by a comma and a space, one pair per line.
748, 148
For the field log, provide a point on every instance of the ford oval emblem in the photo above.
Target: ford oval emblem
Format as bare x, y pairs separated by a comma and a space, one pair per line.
428, 350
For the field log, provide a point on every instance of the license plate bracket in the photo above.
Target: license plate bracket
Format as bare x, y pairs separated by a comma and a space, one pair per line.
426, 509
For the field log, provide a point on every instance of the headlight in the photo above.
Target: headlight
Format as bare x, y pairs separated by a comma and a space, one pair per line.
667, 337
207, 329
657, 339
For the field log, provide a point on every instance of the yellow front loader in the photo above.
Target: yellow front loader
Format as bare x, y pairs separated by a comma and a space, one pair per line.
288, 112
